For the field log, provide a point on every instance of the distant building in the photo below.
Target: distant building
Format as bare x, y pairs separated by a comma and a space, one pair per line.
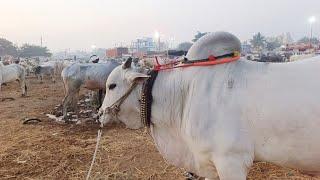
117, 52
286, 38
143, 45
246, 48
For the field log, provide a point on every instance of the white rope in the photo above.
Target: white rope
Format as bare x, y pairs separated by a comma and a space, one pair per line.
112, 110
95, 153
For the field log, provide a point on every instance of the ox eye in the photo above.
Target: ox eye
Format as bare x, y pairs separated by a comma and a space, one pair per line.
112, 86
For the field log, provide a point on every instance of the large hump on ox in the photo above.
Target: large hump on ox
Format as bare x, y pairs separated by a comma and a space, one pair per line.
215, 44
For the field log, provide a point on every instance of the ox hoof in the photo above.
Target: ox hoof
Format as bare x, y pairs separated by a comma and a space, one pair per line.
68, 122
190, 176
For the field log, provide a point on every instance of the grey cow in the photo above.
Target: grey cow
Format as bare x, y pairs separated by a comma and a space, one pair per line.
89, 75
42, 70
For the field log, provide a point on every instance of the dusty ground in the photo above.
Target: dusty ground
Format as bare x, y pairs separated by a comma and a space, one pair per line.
49, 150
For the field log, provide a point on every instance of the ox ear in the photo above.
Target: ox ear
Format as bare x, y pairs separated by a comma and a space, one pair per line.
127, 64
136, 77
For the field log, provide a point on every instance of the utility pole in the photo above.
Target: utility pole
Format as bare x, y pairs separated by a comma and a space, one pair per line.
159, 44
41, 41
311, 21
311, 37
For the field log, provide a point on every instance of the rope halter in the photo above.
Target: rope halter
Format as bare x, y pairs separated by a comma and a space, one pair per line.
114, 109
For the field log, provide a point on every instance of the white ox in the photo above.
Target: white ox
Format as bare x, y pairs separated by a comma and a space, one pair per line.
11, 73
91, 76
216, 121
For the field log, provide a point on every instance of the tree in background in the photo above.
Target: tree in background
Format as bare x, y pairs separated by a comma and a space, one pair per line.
198, 36
258, 41
272, 44
7, 48
306, 40
28, 50
185, 46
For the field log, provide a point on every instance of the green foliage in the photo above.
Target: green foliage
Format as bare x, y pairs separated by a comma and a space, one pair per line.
273, 44
28, 50
258, 41
198, 36
7, 48
306, 40
185, 46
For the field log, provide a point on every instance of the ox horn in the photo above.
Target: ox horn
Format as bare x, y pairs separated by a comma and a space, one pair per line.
127, 64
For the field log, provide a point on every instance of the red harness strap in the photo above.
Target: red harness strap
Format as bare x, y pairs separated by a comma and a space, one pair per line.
211, 61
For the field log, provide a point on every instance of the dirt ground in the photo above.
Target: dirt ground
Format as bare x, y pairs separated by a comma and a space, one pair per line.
51, 150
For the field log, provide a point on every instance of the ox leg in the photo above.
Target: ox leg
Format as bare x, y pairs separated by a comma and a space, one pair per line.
40, 78
53, 78
233, 167
75, 103
0, 93
70, 99
66, 101
23, 87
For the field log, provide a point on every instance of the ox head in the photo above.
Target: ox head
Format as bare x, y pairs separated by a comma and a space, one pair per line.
118, 84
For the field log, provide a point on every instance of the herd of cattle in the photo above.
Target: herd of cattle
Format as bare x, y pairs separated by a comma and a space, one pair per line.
214, 121
19, 72
74, 75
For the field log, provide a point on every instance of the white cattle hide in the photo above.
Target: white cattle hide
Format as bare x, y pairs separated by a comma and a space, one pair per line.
223, 117
13, 72
90, 76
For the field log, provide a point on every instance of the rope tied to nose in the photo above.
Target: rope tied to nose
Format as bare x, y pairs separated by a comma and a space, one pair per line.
95, 153
113, 110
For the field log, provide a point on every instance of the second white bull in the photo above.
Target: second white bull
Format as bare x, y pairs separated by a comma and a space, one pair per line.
90, 76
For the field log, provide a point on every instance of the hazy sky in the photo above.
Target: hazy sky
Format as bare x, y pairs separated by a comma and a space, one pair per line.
78, 24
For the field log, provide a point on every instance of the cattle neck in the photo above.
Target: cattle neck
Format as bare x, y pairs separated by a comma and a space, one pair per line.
146, 98
146, 93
